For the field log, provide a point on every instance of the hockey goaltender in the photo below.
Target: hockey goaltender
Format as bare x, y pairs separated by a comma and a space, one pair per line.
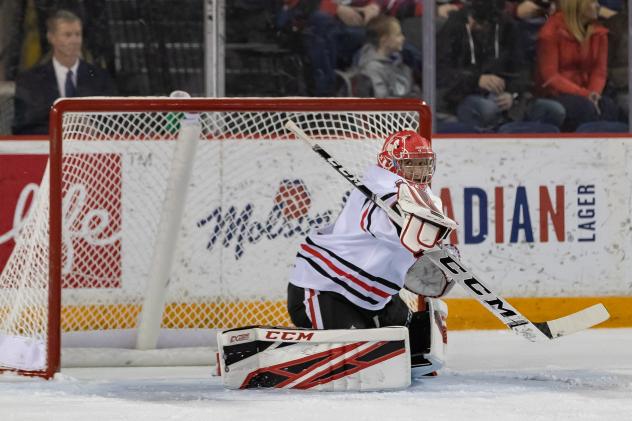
357, 332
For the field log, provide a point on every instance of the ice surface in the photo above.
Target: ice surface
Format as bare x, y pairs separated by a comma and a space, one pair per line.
492, 375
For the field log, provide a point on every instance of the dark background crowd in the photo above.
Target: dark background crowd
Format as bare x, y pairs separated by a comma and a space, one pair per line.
506, 66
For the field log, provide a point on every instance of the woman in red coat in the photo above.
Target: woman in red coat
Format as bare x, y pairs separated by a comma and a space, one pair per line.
572, 63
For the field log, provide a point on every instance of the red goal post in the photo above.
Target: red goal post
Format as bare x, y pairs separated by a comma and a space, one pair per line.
137, 241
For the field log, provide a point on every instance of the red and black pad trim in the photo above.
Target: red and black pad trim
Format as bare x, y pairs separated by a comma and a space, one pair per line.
384, 348
281, 375
368, 357
270, 378
238, 352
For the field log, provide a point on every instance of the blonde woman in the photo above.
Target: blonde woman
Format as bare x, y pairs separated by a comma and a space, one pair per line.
572, 62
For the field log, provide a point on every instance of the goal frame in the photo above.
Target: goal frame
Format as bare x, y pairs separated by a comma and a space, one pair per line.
192, 105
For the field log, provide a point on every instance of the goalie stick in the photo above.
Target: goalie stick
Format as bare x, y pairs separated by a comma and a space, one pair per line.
454, 268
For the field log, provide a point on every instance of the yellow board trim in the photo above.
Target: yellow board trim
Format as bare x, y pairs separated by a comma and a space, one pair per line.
177, 316
469, 314
463, 313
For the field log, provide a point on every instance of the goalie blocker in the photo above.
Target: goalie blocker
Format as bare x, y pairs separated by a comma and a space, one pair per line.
424, 225
334, 360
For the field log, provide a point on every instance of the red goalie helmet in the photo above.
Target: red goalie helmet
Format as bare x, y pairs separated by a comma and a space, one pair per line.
408, 155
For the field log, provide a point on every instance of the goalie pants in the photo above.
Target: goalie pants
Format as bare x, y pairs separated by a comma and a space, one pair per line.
312, 309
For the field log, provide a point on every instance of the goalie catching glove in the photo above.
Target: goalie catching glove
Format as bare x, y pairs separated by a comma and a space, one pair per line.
425, 278
424, 224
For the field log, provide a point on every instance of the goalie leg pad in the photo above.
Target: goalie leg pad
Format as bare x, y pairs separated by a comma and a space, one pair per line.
328, 360
429, 338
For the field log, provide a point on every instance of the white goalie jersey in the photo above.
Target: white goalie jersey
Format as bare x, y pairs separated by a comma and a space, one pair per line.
361, 255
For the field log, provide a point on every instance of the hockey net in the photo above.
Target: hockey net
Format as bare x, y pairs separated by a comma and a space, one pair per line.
252, 194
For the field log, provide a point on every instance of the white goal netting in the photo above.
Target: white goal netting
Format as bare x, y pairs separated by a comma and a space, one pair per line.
254, 193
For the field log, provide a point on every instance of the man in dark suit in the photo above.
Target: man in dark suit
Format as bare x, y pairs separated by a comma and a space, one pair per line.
65, 75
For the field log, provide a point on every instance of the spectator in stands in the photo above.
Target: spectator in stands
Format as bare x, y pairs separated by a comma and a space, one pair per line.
381, 62
481, 71
609, 8
65, 75
572, 63
9, 12
444, 9
332, 32
531, 15
413, 30
617, 85
336, 30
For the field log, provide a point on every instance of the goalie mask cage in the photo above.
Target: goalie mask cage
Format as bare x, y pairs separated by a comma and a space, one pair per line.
161, 219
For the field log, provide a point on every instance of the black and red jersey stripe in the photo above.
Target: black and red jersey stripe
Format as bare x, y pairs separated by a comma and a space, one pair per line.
353, 279
367, 215
337, 280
